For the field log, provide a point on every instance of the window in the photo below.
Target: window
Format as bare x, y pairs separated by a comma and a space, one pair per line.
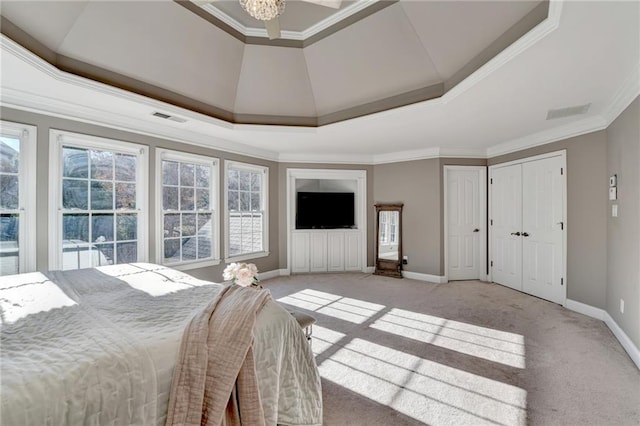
187, 204
247, 222
17, 198
98, 201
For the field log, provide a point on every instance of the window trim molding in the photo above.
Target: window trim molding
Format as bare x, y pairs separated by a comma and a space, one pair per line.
58, 138
173, 155
27, 201
237, 165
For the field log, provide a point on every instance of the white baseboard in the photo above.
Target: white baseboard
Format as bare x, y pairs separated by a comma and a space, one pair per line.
624, 340
369, 270
585, 309
424, 277
272, 274
602, 315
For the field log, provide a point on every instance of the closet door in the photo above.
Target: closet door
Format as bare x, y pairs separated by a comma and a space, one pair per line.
506, 217
542, 228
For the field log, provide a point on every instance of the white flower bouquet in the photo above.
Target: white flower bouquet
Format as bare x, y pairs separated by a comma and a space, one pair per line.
243, 274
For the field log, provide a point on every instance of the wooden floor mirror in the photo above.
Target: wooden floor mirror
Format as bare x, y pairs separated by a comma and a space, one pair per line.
389, 239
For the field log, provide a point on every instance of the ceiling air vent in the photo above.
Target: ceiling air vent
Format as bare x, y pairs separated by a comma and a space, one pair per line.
169, 117
567, 112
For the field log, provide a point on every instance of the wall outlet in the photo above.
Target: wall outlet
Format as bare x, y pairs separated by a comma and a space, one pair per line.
622, 306
614, 210
405, 260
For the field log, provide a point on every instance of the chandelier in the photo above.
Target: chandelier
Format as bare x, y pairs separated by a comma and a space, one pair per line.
263, 10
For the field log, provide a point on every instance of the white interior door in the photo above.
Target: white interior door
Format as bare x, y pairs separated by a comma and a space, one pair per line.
463, 224
506, 225
542, 228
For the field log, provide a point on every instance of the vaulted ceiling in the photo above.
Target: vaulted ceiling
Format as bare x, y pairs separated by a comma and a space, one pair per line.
372, 81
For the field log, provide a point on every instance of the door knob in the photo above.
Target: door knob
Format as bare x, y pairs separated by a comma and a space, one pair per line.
517, 234
476, 230
524, 234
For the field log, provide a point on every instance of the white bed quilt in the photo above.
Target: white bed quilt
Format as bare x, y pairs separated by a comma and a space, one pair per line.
98, 346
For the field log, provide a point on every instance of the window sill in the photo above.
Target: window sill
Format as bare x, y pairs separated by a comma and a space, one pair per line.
187, 266
249, 256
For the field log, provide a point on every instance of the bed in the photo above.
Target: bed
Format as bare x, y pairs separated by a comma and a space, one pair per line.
98, 346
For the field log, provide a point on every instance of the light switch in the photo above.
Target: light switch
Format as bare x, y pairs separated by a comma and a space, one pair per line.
614, 210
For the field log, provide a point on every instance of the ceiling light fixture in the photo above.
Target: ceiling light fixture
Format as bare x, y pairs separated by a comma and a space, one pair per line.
263, 10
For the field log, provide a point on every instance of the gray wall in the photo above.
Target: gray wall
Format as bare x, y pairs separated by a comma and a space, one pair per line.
623, 232
601, 269
282, 185
44, 123
586, 213
417, 185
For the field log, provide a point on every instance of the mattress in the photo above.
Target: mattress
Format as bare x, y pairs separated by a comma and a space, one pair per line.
98, 346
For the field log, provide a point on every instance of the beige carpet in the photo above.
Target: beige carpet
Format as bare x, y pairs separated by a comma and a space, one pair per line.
404, 352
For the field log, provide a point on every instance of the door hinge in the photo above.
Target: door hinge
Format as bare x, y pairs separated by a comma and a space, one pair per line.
492, 263
561, 170
561, 281
491, 181
491, 222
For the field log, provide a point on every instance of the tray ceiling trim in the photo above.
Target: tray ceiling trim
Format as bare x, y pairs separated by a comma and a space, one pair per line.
295, 39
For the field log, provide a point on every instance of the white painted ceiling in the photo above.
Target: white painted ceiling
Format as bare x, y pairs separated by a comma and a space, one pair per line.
584, 52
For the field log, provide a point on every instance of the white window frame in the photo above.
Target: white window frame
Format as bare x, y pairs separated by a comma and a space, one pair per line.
27, 192
170, 155
235, 165
58, 138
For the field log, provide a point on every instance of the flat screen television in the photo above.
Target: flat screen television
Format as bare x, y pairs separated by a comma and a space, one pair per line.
325, 210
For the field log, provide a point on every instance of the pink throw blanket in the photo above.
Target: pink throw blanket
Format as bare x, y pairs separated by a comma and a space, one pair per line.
214, 381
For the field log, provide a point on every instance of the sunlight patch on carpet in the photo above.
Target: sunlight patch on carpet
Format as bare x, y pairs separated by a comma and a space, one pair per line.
427, 391
324, 338
486, 343
344, 308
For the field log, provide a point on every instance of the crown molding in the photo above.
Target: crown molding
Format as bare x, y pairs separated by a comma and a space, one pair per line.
628, 91
334, 19
108, 116
427, 154
322, 158
8, 45
337, 17
554, 134
81, 113
246, 31
376, 159
538, 33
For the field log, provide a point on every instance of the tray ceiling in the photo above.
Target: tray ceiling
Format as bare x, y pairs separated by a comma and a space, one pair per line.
584, 53
384, 55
